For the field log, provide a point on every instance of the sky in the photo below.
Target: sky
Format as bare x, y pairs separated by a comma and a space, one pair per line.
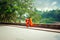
46, 4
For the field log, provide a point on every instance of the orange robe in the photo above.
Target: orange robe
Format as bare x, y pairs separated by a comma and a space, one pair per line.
27, 22
31, 24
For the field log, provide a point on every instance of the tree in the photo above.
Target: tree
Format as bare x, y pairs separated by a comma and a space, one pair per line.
7, 12
51, 16
36, 16
24, 6
12, 10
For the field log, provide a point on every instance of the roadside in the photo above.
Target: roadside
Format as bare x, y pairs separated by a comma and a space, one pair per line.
33, 28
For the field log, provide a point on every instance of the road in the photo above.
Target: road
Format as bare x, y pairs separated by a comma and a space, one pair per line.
15, 32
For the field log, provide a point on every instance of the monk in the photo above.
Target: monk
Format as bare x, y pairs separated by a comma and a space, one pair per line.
30, 22
27, 22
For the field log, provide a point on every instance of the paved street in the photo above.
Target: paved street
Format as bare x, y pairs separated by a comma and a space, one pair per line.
33, 28
15, 32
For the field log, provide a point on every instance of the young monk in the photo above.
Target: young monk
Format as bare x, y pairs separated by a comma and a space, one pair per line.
27, 22
30, 22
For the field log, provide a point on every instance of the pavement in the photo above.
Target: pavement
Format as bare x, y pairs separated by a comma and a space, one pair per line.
16, 32
34, 28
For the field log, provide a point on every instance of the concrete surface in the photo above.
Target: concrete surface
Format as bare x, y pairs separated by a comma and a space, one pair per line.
10, 32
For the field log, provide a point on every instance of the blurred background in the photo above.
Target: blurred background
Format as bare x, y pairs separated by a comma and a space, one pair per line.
41, 11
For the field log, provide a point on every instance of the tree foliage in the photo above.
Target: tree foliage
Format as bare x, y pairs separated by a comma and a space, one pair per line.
7, 12
12, 10
51, 16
